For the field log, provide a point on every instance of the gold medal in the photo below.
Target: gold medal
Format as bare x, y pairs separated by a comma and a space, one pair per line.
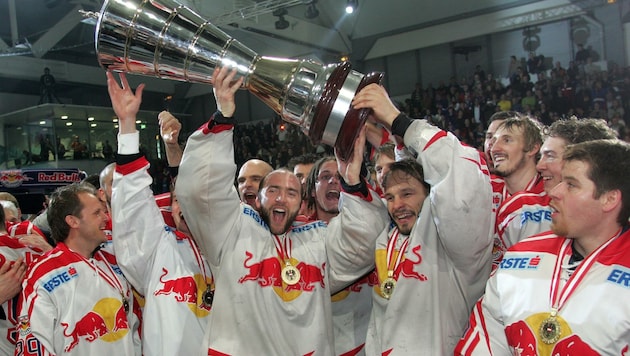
290, 274
549, 330
207, 297
388, 285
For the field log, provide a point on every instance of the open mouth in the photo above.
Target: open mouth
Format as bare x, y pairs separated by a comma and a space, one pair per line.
278, 215
332, 194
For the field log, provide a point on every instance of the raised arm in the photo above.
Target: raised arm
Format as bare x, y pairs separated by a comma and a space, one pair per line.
205, 184
136, 220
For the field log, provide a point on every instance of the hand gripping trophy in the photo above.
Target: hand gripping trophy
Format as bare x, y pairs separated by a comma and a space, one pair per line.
165, 39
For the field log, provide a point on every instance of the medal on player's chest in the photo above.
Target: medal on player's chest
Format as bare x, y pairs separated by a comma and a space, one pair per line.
289, 274
389, 283
549, 330
207, 297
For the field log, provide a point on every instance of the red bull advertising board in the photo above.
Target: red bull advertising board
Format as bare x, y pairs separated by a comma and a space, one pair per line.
30, 186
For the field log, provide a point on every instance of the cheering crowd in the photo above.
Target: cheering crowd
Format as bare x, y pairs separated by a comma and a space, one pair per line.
519, 249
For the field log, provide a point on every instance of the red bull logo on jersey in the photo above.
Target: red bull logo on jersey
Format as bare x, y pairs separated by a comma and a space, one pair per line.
407, 269
107, 321
520, 262
523, 339
60, 278
186, 289
266, 273
13, 178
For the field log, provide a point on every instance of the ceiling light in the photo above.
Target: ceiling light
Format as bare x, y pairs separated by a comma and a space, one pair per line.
64, 117
42, 122
68, 124
91, 118
352, 6
93, 125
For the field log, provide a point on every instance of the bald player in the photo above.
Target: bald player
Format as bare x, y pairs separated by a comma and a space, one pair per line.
249, 177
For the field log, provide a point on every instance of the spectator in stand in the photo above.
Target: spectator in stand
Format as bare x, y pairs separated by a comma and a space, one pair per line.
535, 64
582, 55
513, 68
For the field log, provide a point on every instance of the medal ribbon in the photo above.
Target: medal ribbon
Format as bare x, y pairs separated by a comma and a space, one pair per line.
112, 280
283, 248
391, 244
559, 297
198, 258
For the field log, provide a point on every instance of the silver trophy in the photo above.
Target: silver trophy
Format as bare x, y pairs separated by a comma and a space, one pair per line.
165, 39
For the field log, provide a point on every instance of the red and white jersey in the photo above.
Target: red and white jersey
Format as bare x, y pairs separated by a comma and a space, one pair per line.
255, 312
520, 215
76, 306
25, 227
593, 316
446, 261
10, 250
351, 310
163, 265
108, 246
501, 194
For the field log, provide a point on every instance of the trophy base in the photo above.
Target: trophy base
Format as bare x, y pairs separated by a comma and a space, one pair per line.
346, 131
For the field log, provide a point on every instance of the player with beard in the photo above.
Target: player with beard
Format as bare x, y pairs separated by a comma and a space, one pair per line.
249, 177
274, 276
565, 291
163, 264
433, 261
515, 149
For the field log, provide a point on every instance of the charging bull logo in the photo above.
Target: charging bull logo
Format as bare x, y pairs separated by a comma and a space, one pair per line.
267, 274
523, 339
13, 178
106, 321
186, 289
405, 269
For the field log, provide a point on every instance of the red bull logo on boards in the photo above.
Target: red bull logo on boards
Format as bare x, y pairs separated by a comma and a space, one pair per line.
267, 274
107, 321
186, 289
12, 178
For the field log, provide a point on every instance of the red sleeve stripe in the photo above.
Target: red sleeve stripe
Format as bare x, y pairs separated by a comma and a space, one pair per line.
132, 166
435, 137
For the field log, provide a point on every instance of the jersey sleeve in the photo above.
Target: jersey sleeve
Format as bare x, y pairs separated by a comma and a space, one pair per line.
137, 222
461, 194
352, 236
205, 189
